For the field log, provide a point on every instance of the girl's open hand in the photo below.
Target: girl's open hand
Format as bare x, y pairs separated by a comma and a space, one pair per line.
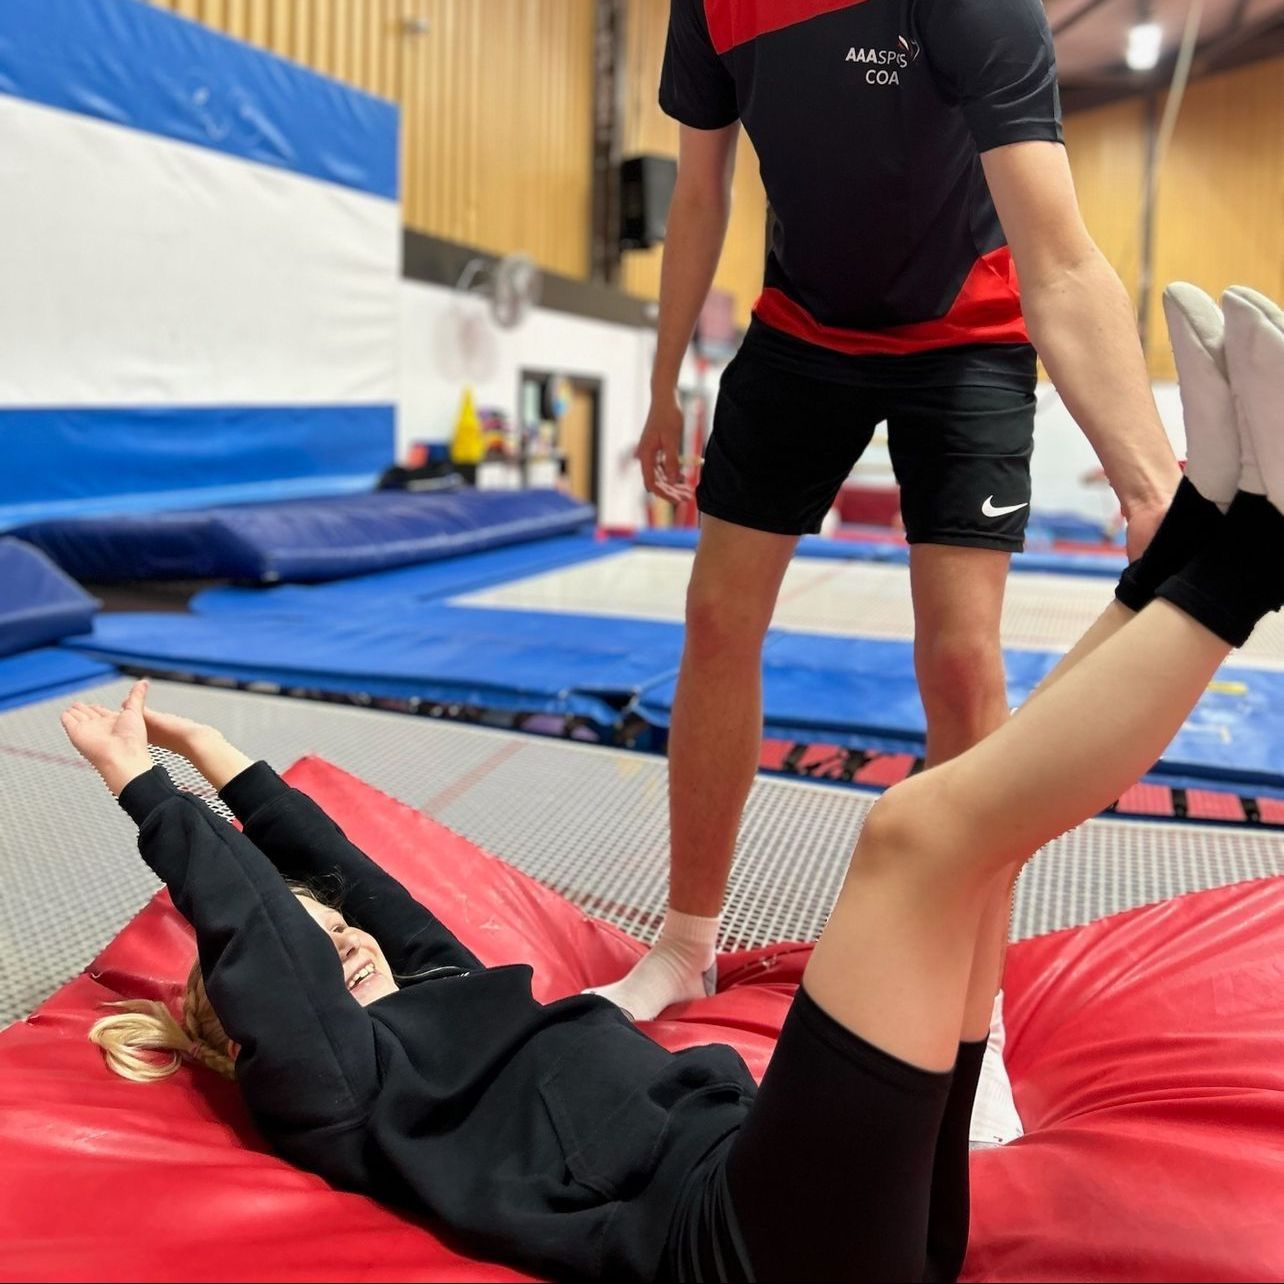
114, 741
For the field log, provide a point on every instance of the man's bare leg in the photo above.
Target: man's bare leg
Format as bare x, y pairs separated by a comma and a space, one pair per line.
958, 609
714, 745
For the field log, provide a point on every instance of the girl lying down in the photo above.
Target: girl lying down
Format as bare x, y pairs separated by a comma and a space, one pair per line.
372, 1048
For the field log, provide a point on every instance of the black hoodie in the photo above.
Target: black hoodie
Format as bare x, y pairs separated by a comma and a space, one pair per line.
555, 1138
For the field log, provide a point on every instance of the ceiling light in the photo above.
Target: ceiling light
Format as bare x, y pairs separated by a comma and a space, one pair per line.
1144, 43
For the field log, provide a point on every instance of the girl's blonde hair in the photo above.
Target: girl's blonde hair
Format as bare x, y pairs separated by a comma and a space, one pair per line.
144, 1027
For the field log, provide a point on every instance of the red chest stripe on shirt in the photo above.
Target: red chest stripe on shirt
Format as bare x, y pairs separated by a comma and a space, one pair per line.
987, 310
735, 22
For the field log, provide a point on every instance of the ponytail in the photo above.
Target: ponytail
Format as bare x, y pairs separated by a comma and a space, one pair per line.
144, 1027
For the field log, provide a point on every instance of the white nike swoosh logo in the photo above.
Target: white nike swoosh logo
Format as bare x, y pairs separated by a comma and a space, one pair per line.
990, 511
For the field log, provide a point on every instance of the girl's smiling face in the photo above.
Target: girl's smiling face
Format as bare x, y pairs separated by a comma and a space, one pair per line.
365, 970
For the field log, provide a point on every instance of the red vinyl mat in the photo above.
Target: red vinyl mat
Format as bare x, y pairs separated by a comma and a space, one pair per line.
1146, 1051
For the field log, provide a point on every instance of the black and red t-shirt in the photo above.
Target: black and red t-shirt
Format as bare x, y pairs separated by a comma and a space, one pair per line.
869, 118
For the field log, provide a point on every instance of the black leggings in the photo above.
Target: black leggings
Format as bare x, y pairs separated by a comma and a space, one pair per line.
851, 1165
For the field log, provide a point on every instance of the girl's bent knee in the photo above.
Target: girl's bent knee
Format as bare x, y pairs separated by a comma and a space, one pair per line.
910, 833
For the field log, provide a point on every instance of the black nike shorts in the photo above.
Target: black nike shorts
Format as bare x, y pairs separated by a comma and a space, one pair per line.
833, 1173
784, 442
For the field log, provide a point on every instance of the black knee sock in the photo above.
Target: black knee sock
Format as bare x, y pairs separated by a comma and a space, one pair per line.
1239, 577
1190, 523
951, 1207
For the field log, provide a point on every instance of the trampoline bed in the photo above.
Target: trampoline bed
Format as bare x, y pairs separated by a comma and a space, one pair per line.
302, 539
1124, 1125
545, 804
887, 546
1042, 612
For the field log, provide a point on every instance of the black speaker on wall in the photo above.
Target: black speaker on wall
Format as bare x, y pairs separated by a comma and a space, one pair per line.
646, 189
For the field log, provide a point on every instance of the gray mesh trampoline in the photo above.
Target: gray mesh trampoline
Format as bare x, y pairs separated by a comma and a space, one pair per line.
588, 821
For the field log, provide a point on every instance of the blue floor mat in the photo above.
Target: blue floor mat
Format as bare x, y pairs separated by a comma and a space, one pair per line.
45, 673
852, 691
862, 693
1234, 738
563, 664
409, 585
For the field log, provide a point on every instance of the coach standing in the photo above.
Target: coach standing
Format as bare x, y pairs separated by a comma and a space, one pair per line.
912, 154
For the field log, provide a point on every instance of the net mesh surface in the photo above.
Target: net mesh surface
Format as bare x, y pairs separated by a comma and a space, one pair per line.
849, 599
590, 822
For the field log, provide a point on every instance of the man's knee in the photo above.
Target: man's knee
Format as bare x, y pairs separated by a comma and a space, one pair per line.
960, 673
723, 624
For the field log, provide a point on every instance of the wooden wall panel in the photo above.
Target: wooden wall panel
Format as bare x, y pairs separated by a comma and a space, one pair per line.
496, 140
1107, 150
496, 103
647, 129
1219, 217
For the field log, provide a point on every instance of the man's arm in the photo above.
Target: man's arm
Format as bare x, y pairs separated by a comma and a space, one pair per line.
693, 242
1081, 321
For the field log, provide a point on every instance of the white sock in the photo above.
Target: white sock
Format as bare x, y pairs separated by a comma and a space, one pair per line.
1255, 358
995, 1121
1196, 330
679, 967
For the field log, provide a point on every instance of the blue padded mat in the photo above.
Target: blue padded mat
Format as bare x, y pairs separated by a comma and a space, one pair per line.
45, 673
852, 691
855, 691
15, 516
1105, 565
1069, 526
862, 693
515, 660
410, 584
38, 603
1234, 739
304, 539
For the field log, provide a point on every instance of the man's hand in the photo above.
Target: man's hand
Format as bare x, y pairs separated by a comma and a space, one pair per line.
660, 450
696, 229
1143, 522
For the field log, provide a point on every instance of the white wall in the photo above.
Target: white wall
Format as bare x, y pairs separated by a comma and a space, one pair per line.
448, 340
